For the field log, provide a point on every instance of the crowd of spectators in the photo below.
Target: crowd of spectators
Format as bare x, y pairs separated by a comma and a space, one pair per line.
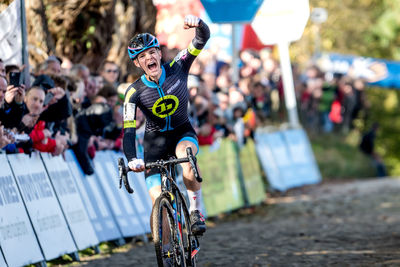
70, 106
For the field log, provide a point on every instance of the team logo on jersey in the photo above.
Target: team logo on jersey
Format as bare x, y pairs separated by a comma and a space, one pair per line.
165, 106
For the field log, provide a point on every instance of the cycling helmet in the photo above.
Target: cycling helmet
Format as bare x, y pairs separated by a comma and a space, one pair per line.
141, 42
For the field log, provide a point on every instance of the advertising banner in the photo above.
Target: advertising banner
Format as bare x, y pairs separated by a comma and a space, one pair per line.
251, 173
124, 210
378, 72
70, 200
268, 161
287, 158
302, 156
2, 261
16, 233
42, 205
220, 172
140, 197
99, 213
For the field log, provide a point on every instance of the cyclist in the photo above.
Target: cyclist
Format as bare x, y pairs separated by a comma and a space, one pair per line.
162, 95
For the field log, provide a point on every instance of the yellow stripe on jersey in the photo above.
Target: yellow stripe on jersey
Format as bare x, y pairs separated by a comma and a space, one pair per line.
129, 124
172, 63
129, 94
193, 50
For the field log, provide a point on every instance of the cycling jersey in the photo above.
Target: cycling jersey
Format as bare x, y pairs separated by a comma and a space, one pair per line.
164, 104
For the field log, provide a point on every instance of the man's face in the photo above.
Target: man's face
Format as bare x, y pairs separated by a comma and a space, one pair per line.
150, 61
2, 69
53, 67
84, 74
99, 81
91, 88
3, 89
110, 72
34, 101
112, 101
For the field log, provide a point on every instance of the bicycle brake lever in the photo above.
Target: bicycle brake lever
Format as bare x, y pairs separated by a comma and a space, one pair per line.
193, 162
123, 175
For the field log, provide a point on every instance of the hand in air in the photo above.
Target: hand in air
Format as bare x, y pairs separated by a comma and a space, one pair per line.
191, 21
136, 165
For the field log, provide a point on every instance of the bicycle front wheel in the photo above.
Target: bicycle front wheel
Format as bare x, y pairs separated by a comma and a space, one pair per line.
167, 240
189, 241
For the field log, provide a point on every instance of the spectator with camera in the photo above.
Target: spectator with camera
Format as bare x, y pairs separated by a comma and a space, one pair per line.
41, 136
57, 103
11, 108
5, 138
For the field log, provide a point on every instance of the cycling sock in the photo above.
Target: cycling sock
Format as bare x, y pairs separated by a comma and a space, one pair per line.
195, 200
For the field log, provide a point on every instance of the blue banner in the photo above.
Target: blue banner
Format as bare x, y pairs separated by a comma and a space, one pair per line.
97, 208
379, 72
2, 261
287, 158
140, 197
70, 200
124, 210
231, 11
268, 162
302, 156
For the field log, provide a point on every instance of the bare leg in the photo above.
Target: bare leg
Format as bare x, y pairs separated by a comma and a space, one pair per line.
188, 175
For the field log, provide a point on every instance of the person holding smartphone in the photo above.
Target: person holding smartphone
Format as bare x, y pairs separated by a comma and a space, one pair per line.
11, 108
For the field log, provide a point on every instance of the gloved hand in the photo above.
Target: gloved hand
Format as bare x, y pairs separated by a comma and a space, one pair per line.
136, 165
191, 21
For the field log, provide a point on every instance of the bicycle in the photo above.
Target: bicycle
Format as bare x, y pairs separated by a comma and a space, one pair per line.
174, 242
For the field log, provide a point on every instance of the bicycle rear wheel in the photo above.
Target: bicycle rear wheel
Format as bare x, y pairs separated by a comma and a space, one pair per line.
167, 240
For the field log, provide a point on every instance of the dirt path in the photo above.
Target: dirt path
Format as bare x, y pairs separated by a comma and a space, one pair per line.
332, 224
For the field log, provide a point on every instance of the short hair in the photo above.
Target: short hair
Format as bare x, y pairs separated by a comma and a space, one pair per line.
71, 82
46, 63
35, 87
108, 91
77, 68
108, 62
59, 81
10, 68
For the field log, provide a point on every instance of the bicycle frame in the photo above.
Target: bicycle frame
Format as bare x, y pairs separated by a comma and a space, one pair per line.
171, 193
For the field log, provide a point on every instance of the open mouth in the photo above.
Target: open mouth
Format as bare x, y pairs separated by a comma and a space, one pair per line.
152, 66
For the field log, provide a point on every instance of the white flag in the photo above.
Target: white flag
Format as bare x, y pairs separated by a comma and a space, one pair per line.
10, 34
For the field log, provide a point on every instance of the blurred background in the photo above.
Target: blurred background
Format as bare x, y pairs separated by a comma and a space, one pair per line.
286, 93
344, 67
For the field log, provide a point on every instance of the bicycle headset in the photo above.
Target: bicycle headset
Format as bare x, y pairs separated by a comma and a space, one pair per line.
140, 43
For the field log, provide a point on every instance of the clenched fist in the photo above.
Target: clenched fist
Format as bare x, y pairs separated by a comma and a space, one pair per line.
191, 21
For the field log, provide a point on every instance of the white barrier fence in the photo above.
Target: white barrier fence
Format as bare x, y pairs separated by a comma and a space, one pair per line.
49, 208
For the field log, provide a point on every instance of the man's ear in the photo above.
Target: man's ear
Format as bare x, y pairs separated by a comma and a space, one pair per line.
136, 62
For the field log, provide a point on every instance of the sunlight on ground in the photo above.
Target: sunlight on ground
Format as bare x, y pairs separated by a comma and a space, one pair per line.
333, 252
289, 199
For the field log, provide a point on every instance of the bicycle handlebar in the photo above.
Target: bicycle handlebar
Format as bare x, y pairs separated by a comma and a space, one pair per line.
123, 170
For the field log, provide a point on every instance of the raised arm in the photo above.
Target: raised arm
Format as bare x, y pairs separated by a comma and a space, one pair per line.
202, 32
186, 57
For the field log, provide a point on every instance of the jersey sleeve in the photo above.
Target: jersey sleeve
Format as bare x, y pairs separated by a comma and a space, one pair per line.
186, 57
129, 116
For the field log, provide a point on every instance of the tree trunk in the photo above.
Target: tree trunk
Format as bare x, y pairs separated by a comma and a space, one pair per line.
87, 31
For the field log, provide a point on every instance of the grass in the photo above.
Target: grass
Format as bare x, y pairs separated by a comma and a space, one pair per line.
338, 156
